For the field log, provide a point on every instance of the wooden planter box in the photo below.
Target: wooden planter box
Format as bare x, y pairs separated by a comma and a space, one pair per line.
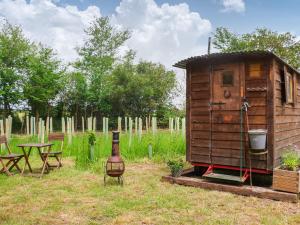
285, 180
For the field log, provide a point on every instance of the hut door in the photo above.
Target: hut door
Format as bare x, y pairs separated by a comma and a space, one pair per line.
225, 115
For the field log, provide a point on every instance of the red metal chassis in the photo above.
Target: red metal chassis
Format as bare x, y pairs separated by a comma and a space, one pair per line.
261, 171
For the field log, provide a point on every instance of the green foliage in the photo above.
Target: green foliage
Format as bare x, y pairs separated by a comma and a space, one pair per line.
74, 94
14, 50
284, 45
28, 71
176, 167
100, 83
91, 138
119, 87
290, 160
43, 81
140, 90
97, 58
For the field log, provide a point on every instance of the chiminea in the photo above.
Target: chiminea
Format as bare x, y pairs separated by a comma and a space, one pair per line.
115, 166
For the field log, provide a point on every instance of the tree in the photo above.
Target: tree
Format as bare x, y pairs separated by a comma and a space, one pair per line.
43, 80
14, 48
140, 90
74, 94
97, 58
284, 45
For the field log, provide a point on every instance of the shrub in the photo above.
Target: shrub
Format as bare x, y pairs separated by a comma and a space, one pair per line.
176, 167
290, 160
92, 138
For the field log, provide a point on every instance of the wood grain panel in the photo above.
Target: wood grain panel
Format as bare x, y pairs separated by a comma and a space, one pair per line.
200, 95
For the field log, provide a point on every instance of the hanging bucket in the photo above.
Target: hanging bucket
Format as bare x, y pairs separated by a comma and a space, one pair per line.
257, 139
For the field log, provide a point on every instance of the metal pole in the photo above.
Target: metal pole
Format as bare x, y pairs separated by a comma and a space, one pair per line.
209, 43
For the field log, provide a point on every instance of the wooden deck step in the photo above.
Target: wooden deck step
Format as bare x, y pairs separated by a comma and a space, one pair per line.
224, 177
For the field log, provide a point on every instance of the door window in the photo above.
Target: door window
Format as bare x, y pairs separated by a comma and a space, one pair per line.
227, 78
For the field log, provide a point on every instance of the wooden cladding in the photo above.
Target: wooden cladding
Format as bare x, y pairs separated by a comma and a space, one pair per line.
287, 111
256, 70
215, 94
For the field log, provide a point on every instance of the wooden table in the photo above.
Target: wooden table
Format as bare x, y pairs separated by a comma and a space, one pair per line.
39, 147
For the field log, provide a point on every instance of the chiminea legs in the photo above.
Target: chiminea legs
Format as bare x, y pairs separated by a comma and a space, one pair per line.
120, 180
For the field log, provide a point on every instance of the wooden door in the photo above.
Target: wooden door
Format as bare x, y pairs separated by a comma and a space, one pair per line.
225, 115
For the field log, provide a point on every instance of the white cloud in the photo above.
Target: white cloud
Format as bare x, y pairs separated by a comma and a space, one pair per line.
61, 28
233, 6
163, 33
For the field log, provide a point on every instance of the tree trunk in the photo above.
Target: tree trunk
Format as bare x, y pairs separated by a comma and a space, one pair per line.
6, 108
48, 110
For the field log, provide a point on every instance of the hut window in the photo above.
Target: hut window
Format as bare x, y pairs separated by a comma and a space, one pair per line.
282, 87
227, 78
289, 88
255, 70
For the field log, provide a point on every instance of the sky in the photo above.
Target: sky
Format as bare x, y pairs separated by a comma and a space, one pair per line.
162, 31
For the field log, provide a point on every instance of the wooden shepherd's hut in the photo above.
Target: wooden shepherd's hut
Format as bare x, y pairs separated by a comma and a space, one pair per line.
218, 87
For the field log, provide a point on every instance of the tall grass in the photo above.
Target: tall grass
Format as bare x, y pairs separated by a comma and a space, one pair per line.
164, 146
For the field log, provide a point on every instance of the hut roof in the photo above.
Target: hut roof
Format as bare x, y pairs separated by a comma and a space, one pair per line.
232, 55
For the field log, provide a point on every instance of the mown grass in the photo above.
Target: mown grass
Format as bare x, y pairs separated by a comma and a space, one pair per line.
75, 194
72, 196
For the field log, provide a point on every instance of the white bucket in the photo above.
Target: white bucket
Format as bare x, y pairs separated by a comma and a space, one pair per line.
258, 138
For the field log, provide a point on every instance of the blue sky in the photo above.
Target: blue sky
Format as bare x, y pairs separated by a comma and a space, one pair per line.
163, 31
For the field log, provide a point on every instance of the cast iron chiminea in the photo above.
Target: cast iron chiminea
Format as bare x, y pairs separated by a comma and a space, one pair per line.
115, 166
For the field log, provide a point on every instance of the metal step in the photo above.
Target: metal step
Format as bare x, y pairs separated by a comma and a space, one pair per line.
224, 177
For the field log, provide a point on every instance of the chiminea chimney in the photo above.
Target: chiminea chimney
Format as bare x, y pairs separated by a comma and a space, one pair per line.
115, 152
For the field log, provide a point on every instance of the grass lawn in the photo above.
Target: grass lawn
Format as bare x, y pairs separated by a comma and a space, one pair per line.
72, 196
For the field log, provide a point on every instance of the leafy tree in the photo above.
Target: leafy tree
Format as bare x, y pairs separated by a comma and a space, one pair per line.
43, 80
284, 45
140, 90
14, 48
97, 58
74, 94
